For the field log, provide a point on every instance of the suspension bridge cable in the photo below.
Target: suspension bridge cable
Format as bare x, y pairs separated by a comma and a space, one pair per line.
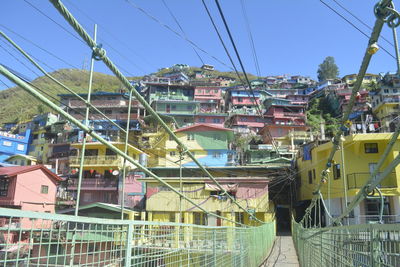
176, 33
360, 20
65, 29
354, 26
39, 47
56, 81
251, 39
244, 72
100, 54
382, 13
15, 79
180, 27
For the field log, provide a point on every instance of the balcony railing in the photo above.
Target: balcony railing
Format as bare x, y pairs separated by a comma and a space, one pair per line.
293, 114
99, 103
363, 219
90, 183
95, 161
357, 180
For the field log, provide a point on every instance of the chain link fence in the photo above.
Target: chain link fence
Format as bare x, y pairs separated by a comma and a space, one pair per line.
43, 239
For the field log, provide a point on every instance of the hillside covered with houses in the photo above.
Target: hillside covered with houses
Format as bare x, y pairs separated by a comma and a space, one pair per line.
251, 140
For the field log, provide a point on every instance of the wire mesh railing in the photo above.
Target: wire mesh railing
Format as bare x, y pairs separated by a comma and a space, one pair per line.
42, 239
355, 245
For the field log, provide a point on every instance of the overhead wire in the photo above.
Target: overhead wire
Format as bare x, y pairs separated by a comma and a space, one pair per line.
101, 54
251, 39
244, 72
147, 171
360, 20
354, 26
176, 33
181, 29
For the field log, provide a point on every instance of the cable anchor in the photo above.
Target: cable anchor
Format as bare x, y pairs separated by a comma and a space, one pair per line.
98, 52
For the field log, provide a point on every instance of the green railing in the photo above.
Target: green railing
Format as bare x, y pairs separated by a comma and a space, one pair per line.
43, 239
354, 245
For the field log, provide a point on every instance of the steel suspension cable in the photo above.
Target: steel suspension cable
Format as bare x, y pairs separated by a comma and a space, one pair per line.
382, 13
58, 82
15, 79
101, 55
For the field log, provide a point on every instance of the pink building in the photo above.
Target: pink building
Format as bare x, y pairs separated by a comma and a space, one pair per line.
246, 122
282, 116
30, 188
217, 119
210, 98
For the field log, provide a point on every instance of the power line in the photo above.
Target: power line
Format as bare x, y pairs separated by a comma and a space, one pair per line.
176, 33
359, 20
180, 27
127, 47
222, 41
39, 47
244, 72
250, 35
354, 26
62, 27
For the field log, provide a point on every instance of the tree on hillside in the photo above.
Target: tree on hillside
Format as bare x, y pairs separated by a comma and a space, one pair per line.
319, 112
327, 69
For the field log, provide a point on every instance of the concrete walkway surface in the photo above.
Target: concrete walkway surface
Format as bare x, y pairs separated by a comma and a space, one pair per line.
283, 253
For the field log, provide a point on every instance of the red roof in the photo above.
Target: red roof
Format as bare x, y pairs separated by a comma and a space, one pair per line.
201, 127
12, 171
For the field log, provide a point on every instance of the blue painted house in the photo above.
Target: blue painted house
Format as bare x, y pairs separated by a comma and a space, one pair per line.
11, 144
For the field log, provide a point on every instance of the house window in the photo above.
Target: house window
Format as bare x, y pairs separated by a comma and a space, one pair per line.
371, 147
189, 107
44, 189
20, 147
336, 171
4, 187
198, 218
216, 136
240, 99
216, 120
216, 91
313, 172
110, 152
108, 111
386, 91
310, 177
173, 107
172, 153
394, 90
7, 143
190, 136
202, 120
216, 155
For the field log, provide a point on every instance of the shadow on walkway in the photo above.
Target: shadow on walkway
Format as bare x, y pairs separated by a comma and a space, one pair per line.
283, 253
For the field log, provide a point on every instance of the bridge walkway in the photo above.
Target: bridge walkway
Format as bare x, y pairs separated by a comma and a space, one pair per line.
283, 253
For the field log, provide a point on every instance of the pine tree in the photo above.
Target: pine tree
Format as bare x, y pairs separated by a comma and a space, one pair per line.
327, 69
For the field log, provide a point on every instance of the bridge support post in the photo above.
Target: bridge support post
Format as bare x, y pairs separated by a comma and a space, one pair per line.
214, 235
128, 247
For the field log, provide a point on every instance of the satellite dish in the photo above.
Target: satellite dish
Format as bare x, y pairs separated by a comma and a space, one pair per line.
115, 172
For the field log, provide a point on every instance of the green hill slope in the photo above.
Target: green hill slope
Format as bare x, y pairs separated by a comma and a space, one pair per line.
17, 105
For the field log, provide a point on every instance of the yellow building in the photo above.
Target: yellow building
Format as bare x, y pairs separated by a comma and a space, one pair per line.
163, 205
101, 172
361, 154
368, 78
40, 146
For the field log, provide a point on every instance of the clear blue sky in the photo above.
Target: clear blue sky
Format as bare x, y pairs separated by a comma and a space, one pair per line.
291, 36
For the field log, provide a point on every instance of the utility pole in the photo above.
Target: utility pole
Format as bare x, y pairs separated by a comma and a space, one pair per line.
344, 173
123, 175
78, 193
